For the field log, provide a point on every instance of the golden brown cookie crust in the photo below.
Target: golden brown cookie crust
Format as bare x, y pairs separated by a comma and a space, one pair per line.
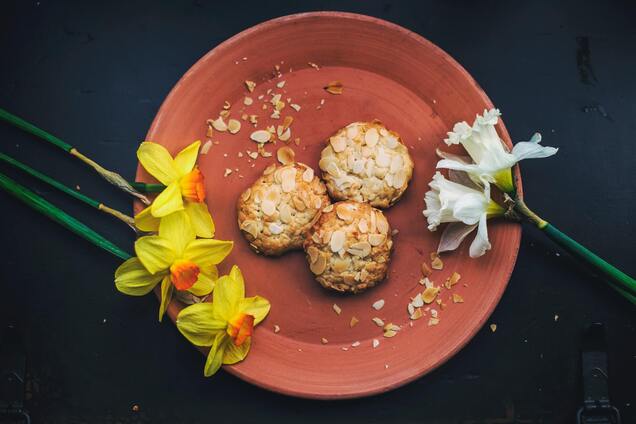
349, 247
277, 210
366, 162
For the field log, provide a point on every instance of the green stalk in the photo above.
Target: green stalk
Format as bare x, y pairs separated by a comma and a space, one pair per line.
148, 188
110, 176
619, 281
67, 190
53, 212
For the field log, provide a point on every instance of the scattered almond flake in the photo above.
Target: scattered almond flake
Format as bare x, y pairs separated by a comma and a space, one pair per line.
233, 126
386, 366
247, 101
457, 298
251, 154
376, 343
219, 124
438, 301
271, 129
244, 117
297, 141
392, 327
556, 318
286, 135
226, 105
244, 58
206, 147
429, 294
264, 153
313, 65
324, 341
261, 136
433, 321
216, 142
288, 99
418, 302
253, 119
239, 154
378, 321
417, 314
209, 132
295, 106
355, 344
454, 279
281, 84
224, 155
224, 114
285, 155
389, 333
264, 107
378, 304
436, 261
280, 105
275, 115
287, 122
493, 327
77, 187
276, 329
240, 176
334, 87
337, 309
228, 171
426, 270
345, 348
434, 313
353, 322
251, 85
275, 99
410, 308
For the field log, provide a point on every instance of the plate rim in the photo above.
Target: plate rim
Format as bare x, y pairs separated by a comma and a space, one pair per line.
282, 20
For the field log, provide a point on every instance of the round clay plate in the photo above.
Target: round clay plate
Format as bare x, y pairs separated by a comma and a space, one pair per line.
414, 88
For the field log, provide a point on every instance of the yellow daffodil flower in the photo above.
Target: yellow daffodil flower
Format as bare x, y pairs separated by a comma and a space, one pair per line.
176, 258
184, 188
226, 324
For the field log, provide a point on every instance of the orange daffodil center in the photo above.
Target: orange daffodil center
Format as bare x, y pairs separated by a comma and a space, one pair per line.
185, 189
176, 258
225, 325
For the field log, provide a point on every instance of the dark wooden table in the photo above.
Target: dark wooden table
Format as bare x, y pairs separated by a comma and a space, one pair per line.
95, 74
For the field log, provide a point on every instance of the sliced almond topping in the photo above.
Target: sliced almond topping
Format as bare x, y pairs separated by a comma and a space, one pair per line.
378, 304
287, 122
250, 227
361, 249
337, 309
298, 204
353, 321
274, 228
308, 175
261, 136
327, 208
436, 261
288, 177
340, 264
338, 143
334, 87
285, 155
363, 227
286, 135
206, 147
391, 326
376, 239
285, 213
219, 124
344, 213
382, 224
313, 253
457, 298
371, 138
295, 106
418, 302
234, 126
319, 266
390, 333
251, 85
378, 321
245, 196
337, 240
417, 314
430, 294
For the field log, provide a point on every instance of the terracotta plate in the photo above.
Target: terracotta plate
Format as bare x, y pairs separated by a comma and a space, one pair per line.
416, 89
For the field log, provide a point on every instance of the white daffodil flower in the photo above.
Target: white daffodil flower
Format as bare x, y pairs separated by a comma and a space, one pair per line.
464, 208
490, 160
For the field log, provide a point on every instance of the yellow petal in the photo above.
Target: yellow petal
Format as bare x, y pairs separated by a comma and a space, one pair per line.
197, 324
185, 160
237, 276
176, 227
234, 354
226, 298
155, 253
166, 296
168, 201
215, 357
133, 279
207, 252
144, 221
200, 218
256, 306
157, 161
203, 286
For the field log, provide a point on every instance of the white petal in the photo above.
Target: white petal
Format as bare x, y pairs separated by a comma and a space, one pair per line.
481, 243
458, 158
530, 150
453, 235
469, 208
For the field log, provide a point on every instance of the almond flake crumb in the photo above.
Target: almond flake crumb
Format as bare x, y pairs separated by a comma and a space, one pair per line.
337, 309
239, 154
210, 131
417, 314
391, 327
247, 101
324, 341
313, 65
219, 124
285, 155
355, 344
378, 304
226, 105
376, 343
418, 302
390, 333
493, 327
434, 313
457, 298
251, 154
429, 295
436, 262
433, 321
251, 85
386, 366
334, 87
233, 126
378, 321
345, 348
281, 84
224, 113
206, 147
410, 308
276, 329
228, 171
295, 106
353, 322
426, 270
556, 318
261, 136
452, 280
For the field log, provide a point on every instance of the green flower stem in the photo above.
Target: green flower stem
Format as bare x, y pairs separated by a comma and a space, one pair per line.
67, 190
148, 188
110, 176
53, 212
620, 281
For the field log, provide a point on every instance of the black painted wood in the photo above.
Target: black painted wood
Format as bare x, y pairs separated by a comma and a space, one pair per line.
95, 75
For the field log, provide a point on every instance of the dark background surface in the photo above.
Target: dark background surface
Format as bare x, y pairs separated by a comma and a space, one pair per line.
95, 75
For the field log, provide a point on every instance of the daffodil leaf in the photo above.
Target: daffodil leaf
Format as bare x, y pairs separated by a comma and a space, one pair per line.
168, 201
155, 253
186, 158
201, 219
203, 286
256, 306
226, 298
198, 325
144, 221
166, 296
207, 252
176, 227
215, 356
234, 354
157, 161
133, 279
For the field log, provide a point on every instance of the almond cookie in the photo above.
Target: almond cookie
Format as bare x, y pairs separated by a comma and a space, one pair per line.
277, 210
349, 247
366, 162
